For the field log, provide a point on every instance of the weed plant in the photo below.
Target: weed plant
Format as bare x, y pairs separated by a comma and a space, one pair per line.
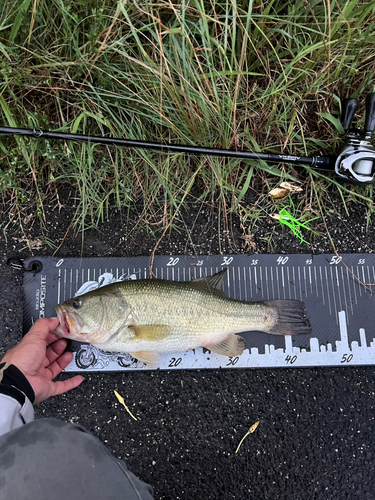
254, 75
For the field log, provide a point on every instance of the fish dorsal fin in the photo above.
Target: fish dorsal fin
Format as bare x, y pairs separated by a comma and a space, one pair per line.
233, 345
149, 358
150, 332
213, 284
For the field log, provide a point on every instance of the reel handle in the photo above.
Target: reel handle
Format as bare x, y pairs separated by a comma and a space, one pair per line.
370, 115
349, 107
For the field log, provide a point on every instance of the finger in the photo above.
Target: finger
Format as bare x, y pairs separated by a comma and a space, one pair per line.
56, 388
42, 327
52, 337
54, 351
59, 364
67, 385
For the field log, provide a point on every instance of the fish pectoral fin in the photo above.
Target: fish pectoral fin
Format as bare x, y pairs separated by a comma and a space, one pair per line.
150, 332
233, 345
149, 358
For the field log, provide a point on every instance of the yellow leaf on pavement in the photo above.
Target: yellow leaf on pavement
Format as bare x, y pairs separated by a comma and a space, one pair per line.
121, 400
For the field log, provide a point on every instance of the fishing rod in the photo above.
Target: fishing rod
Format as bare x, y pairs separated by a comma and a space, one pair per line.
355, 161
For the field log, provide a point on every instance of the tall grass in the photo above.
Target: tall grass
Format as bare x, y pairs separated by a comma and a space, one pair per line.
221, 73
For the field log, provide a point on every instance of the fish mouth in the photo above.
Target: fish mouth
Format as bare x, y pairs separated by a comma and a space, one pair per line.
67, 324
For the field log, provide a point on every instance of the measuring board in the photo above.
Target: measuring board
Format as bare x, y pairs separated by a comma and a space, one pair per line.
340, 308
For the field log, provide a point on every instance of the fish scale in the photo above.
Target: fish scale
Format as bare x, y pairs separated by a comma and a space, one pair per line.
149, 317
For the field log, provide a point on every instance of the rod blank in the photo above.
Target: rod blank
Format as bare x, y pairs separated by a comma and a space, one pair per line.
325, 162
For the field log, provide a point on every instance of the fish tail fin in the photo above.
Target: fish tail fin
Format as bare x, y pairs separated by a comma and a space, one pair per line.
292, 318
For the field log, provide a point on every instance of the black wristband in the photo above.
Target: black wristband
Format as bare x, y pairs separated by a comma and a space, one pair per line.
11, 391
13, 377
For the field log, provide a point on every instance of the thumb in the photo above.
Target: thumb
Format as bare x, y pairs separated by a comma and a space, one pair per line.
66, 385
42, 327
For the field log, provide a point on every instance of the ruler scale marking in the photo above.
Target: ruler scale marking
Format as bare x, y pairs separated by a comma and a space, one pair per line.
288, 277
349, 288
354, 285
266, 277
278, 282
345, 295
333, 294
283, 282
256, 281
321, 282
64, 288
359, 284
369, 280
363, 277
316, 283
328, 294
338, 287
299, 281
234, 287
59, 288
251, 295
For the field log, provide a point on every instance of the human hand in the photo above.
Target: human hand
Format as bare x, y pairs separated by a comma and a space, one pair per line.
40, 364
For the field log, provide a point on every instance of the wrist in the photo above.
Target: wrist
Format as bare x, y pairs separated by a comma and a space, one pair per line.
13, 382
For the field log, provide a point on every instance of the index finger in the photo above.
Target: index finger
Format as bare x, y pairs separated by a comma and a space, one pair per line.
51, 338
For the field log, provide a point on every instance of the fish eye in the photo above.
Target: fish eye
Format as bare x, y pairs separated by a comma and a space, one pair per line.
77, 303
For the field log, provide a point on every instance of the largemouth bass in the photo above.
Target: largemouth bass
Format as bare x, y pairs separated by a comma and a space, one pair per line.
151, 316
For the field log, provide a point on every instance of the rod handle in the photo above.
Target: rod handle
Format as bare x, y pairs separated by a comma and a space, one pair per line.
370, 114
349, 107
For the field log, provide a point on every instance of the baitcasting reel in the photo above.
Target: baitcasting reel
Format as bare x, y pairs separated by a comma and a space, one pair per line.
355, 162
356, 159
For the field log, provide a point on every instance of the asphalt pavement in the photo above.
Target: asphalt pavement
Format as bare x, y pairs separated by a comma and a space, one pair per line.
315, 438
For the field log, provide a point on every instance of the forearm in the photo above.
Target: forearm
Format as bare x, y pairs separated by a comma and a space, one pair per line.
16, 396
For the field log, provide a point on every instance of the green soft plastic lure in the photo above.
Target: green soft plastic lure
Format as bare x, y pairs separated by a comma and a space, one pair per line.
295, 225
